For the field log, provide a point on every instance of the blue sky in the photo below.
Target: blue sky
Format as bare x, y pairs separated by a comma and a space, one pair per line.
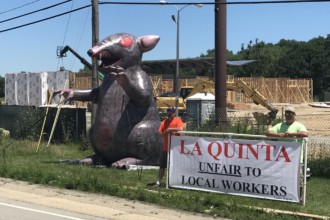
33, 48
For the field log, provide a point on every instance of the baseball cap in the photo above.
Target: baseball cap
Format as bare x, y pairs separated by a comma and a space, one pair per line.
171, 109
289, 109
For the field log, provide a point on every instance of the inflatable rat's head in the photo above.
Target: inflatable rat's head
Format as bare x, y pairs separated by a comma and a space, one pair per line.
122, 50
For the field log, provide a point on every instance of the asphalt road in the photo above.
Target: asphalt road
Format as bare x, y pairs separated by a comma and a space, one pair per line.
20, 200
13, 210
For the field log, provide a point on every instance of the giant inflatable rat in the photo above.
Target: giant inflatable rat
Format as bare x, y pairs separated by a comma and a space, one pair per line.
126, 121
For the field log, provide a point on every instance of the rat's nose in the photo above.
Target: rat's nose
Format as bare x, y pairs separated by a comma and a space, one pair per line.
90, 52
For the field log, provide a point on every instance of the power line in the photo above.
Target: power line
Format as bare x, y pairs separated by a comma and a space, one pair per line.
215, 3
23, 15
19, 7
65, 32
45, 19
67, 25
80, 38
151, 3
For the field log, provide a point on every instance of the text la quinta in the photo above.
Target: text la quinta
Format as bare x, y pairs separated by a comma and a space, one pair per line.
216, 149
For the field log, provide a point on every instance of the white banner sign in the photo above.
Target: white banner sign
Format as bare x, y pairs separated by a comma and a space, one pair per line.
255, 168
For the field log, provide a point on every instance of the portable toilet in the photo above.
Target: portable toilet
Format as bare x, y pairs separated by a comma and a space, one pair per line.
199, 108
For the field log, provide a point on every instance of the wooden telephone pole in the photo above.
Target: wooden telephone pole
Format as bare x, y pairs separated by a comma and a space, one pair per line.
95, 40
221, 63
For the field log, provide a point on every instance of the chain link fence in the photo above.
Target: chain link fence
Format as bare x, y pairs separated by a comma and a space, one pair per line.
316, 120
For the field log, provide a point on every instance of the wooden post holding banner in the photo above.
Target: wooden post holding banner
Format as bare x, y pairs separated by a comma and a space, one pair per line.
45, 117
57, 114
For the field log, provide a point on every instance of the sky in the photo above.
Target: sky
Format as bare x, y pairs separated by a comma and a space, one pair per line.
33, 48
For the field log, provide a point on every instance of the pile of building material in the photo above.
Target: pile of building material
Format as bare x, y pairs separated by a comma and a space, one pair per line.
238, 106
31, 89
4, 132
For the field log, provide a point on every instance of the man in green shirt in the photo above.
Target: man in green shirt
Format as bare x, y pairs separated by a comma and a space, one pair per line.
289, 128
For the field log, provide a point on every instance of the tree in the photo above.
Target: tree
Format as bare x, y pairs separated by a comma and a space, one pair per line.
287, 58
206, 71
2, 87
85, 70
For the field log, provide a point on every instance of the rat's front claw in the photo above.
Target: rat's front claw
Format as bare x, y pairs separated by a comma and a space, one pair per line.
119, 69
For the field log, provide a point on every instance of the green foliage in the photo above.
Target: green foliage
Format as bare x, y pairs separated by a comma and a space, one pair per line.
287, 58
319, 158
85, 70
206, 71
2, 87
320, 167
21, 161
84, 143
27, 124
240, 125
67, 131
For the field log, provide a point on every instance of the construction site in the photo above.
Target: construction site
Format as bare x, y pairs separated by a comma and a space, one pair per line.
244, 95
278, 91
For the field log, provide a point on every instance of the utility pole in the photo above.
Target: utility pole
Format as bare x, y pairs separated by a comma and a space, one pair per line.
220, 11
95, 40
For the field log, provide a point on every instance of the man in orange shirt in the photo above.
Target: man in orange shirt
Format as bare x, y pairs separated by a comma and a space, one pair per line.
169, 125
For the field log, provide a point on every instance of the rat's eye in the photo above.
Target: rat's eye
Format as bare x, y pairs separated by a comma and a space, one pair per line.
125, 42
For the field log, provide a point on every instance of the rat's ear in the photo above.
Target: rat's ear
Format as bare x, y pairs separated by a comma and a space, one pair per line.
147, 42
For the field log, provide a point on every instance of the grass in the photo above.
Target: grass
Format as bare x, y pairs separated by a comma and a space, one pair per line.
20, 160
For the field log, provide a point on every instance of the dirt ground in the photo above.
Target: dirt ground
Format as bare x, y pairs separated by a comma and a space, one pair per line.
316, 119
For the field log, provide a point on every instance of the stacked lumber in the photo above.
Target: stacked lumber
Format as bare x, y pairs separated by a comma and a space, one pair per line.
238, 106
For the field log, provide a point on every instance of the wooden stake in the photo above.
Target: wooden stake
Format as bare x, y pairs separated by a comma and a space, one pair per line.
57, 114
45, 118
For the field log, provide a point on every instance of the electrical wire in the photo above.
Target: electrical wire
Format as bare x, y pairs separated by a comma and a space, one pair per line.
45, 19
18, 7
214, 3
67, 24
23, 15
65, 32
80, 38
167, 3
